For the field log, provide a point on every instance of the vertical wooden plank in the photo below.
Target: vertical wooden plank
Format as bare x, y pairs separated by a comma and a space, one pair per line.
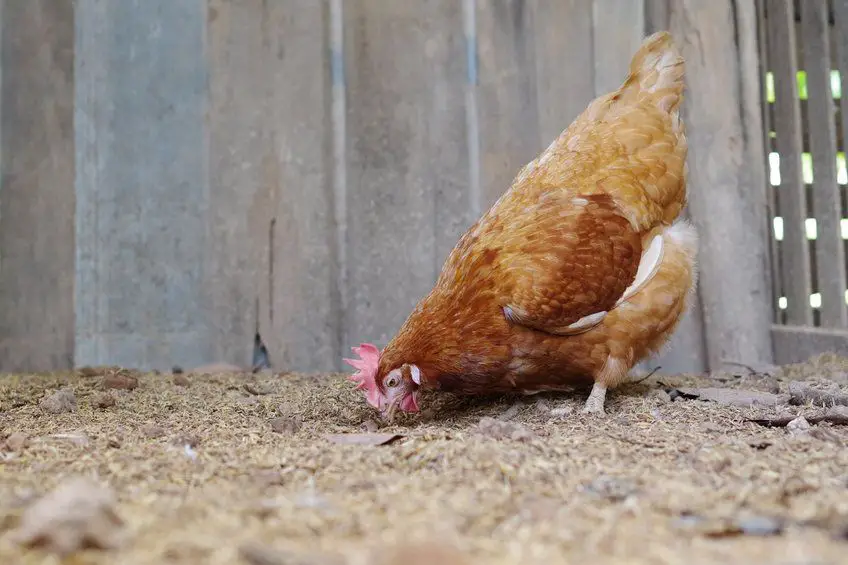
565, 85
771, 198
723, 184
406, 151
306, 310
795, 264
506, 95
240, 182
827, 201
37, 193
686, 351
141, 178
657, 16
619, 29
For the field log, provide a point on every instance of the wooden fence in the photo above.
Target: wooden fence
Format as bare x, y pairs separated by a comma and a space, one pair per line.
805, 53
177, 174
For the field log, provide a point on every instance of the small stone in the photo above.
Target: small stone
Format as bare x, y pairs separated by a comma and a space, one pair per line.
119, 382
105, 400
285, 424
562, 411
77, 514
114, 443
181, 380
153, 431
659, 395
369, 426
258, 389
16, 441
59, 402
798, 426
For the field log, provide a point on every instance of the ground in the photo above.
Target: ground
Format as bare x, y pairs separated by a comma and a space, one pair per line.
229, 468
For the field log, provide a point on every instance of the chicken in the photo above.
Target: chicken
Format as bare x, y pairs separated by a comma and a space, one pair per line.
579, 271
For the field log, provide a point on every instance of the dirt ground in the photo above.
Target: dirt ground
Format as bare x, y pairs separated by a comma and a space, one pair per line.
238, 468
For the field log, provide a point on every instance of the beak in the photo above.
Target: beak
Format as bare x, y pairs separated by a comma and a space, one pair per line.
389, 410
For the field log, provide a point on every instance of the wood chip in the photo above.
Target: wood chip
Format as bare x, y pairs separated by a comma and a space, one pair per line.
837, 415
730, 397
363, 439
802, 393
119, 382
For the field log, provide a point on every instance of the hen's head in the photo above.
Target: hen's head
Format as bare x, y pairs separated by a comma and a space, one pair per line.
386, 389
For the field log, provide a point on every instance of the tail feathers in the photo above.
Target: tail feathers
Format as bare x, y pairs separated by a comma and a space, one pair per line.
657, 70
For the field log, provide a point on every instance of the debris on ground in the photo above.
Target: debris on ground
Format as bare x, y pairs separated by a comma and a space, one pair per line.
728, 396
105, 400
120, 381
16, 441
500, 479
79, 514
363, 439
496, 428
798, 426
836, 415
802, 393
181, 380
59, 402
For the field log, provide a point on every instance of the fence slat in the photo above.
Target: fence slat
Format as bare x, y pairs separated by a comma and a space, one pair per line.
141, 183
764, 65
827, 202
623, 25
727, 197
239, 208
797, 344
305, 309
37, 193
565, 85
406, 141
795, 262
507, 104
686, 352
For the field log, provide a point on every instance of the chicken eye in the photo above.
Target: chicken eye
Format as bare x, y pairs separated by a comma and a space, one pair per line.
392, 381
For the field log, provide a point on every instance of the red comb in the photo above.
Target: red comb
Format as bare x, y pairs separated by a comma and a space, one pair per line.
366, 375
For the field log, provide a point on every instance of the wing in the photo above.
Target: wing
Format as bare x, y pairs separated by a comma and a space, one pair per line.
568, 260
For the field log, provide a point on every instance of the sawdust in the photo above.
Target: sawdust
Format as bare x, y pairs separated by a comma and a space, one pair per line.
216, 473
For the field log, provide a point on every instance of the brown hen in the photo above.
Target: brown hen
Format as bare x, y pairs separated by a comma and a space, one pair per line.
580, 270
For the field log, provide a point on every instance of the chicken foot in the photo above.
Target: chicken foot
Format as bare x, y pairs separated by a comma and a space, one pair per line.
595, 402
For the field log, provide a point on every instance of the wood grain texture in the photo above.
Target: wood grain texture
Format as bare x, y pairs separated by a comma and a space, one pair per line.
797, 344
305, 318
241, 178
733, 251
142, 190
795, 259
619, 29
686, 350
827, 197
507, 99
407, 154
565, 75
37, 193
